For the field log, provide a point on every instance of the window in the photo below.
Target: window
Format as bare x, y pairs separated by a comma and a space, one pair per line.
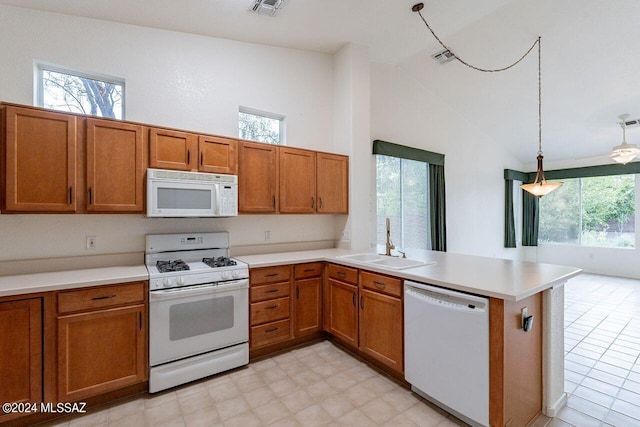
402, 193
74, 92
260, 126
594, 211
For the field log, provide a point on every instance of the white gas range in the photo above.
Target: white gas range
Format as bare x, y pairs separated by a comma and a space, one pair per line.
198, 308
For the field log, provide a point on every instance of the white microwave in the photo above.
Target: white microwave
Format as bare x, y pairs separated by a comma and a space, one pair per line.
191, 194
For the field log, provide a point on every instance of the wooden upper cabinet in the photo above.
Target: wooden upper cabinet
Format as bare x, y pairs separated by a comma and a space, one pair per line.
170, 149
41, 162
333, 183
297, 180
257, 177
218, 155
21, 350
115, 166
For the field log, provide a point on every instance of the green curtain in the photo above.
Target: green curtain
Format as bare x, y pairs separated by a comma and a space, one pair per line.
438, 209
509, 220
530, 219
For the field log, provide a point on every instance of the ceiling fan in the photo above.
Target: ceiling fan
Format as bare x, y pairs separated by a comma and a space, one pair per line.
625, 152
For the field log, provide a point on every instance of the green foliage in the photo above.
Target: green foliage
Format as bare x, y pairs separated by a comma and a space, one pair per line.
596, 211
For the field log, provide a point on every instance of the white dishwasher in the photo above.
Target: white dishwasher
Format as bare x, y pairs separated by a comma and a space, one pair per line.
447, 349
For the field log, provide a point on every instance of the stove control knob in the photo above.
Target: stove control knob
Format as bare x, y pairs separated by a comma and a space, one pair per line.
225, 275
234, 274
180, 280
165, 282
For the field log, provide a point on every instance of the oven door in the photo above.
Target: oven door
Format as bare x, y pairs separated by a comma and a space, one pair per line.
197, 319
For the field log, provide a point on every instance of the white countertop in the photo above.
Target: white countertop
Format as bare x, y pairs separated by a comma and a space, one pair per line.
491, 277
44, 282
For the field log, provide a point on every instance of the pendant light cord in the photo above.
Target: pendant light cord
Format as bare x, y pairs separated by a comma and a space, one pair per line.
418, 7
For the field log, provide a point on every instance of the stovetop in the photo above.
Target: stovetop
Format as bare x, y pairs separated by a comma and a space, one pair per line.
186, 259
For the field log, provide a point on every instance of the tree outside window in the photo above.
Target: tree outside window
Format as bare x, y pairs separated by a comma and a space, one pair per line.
261, 127
66, 91
595, 211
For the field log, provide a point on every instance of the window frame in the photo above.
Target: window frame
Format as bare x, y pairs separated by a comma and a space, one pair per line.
269, 115
40, 66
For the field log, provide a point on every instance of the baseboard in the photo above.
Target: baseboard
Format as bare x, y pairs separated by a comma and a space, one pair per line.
552, 410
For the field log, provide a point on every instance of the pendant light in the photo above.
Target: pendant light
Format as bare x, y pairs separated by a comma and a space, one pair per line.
540, 186
624, 153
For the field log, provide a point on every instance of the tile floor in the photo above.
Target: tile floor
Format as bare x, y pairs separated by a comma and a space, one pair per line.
311, 386
602, 345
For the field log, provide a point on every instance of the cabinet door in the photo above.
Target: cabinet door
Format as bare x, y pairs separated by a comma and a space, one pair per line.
297, 180
257, 178
170, 149
41, 161
218, 155
21, 351
100, 351
115, 166
333, 183
343, 311
381, 328
308, 306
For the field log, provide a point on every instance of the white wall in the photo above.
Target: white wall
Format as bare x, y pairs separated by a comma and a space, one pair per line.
411, 108
176, 80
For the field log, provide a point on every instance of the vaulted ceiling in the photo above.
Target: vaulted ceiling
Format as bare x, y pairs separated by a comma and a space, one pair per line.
591, 64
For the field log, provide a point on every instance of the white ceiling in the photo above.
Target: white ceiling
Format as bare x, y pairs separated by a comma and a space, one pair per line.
591, 64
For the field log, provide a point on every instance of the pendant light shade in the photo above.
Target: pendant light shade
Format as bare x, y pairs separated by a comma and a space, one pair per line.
540, 187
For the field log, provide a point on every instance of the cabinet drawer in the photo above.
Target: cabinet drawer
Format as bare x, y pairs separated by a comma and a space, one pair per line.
265, 292
269, 311
303, 271
380, 283
271, 333
278, 273
344, 274
103, 296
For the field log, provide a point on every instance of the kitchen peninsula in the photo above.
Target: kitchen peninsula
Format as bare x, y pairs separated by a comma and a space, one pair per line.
526, 369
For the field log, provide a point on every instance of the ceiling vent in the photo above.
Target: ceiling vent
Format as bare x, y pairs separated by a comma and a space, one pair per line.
443, 56
267, 7
631, 122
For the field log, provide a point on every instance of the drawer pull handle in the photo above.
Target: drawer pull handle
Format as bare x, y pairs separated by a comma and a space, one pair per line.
101, 298
309, 270
271, 291
379, 284
271, 307
342, 274
271, 330
272, 275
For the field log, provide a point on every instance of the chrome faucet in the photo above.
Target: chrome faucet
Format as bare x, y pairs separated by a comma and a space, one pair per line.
389, 245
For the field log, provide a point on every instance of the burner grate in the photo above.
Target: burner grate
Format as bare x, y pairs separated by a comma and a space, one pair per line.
169, 266
221, 261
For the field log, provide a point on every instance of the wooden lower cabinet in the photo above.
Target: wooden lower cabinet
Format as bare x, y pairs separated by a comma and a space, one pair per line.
343, 311
308, 308
270, 306
381, 328
21, 353
101, 351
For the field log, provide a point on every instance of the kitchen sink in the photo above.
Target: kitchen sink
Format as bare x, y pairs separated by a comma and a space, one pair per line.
386, 261
362, 257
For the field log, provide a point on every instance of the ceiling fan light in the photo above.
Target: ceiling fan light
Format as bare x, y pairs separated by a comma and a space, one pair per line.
624, 153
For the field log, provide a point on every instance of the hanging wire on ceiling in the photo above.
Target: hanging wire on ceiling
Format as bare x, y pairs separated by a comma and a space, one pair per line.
540, 185
418, 7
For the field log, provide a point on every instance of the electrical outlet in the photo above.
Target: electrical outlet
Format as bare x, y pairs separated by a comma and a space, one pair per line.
267, 235
91, 243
